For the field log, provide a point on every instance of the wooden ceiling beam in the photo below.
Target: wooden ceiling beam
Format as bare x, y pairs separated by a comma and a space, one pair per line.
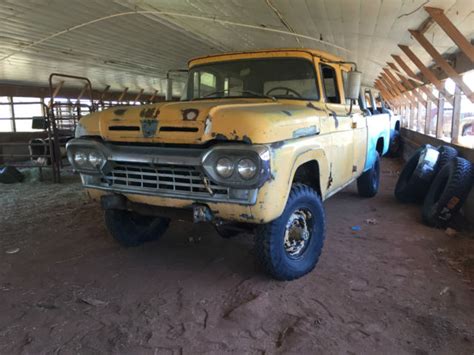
443, 63
411, 74
408, 85
428, 74
448, 27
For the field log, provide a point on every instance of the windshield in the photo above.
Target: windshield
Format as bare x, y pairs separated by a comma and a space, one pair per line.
292, 78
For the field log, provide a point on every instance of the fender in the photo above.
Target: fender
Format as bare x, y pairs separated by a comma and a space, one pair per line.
274, 194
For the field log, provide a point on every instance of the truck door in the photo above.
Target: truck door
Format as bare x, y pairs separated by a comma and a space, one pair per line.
359, 132
341, 150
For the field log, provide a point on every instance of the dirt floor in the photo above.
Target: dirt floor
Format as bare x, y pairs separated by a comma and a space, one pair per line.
395, 287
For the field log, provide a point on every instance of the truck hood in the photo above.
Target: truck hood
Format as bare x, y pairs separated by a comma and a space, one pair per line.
198, 122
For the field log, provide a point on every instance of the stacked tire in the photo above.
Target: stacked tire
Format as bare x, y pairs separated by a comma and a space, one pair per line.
437, 178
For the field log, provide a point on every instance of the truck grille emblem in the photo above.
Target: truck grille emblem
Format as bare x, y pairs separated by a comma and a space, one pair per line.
149, 127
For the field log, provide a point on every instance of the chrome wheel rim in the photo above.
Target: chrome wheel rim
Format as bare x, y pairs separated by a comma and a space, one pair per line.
298, 233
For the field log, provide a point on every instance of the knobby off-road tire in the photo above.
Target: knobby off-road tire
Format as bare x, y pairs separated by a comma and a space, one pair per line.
448, 192
446, 154
395, 147
416, 176
289, 247
368, 183
131, 229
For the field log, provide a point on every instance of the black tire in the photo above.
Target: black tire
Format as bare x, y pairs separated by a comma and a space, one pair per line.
446, 154
368, 183
448, 192
304, 206
226, 232
131, 229
395, 147
415, 178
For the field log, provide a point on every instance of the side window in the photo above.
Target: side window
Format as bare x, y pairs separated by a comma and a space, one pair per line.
331, 90
204, 83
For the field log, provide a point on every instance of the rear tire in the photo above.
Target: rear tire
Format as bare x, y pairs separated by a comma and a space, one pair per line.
368, 183
446, 154
395, 147
289, 247
417, 175
131, 229
448, 192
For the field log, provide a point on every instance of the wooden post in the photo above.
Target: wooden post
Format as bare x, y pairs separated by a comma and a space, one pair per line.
442, 20
455, 127
12, 110
440, 116
428, 117
443, 64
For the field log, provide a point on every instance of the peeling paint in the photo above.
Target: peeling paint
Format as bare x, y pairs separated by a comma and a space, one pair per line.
305, 132
288, 113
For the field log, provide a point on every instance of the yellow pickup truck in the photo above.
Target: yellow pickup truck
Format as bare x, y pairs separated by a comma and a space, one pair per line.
258, 141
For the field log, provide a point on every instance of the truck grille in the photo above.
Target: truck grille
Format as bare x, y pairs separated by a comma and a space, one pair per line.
180, 180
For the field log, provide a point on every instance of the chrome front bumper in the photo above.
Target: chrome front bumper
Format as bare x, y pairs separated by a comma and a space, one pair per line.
158, 171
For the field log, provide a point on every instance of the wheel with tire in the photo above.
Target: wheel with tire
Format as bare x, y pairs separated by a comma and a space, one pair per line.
131, 229
289, 247
448, 192
395, 147
446, 154
417, 175
368, 183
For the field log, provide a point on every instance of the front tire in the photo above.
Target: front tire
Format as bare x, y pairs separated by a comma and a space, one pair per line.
289, 247
368, 183
131, 229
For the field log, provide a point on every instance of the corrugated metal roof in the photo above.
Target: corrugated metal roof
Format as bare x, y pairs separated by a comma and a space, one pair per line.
136, 50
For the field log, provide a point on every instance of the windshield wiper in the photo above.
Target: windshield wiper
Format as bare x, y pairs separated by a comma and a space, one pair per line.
254, 93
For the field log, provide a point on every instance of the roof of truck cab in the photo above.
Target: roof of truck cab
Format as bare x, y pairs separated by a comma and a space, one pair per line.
277, 51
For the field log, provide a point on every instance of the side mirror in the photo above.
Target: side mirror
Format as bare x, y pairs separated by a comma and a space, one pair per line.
354, 79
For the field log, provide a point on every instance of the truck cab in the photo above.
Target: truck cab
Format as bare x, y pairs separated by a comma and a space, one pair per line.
258, 141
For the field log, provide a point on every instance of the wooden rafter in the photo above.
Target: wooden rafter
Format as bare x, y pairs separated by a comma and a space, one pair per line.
443, 21
443, 63
137, 98
152, 97
122, 95
424, 70
411, 74
408, 85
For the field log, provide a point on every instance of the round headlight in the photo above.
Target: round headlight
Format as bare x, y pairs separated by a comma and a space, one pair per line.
80, 158
225, 167
247, 168
95, 159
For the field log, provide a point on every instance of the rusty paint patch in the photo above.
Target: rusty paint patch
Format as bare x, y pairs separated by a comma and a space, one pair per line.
246, 216
310, 105
330, 179
246, 139
120, 111
220, 137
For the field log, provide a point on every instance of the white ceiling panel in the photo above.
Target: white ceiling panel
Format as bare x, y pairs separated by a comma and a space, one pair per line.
136, 50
